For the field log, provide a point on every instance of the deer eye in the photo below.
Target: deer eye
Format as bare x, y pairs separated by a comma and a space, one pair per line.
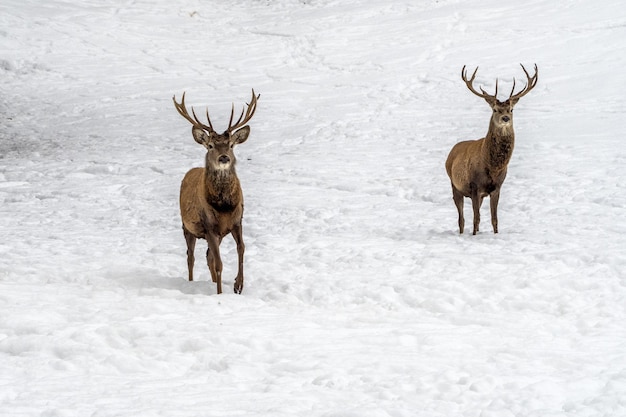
210, 146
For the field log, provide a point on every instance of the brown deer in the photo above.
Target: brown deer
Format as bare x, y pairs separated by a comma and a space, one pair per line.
477, 168
211, 200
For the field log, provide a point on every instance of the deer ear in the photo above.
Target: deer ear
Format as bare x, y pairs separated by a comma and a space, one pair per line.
241, 135
200, 136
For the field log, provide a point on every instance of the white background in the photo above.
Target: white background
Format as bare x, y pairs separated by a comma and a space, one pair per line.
361, 299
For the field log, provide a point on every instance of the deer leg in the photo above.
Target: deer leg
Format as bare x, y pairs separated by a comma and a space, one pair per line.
477, 201
458, 202
214, 261
191, 245
210, 263
494, 197
241, 248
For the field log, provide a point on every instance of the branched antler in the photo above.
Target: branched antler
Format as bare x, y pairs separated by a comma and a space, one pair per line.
531, 82
470, 86
249, 113
182, 110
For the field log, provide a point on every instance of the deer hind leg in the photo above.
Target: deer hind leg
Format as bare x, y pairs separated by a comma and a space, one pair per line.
241, 248
494, 197
458, 202
191, 245
214, 261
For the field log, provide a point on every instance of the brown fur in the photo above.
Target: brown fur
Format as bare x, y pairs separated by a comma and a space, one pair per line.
477, 168
211, 199
211, 207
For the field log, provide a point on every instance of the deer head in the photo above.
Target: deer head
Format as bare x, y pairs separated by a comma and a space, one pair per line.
502, 116
220, 156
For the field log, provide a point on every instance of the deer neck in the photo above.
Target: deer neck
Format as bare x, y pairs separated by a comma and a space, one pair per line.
498, 146
222, 189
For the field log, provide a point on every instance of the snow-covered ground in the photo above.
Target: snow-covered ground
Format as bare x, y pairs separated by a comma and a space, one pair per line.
361, 299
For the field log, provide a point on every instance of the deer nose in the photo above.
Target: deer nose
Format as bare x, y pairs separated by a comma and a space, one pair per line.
505, 119
223, 159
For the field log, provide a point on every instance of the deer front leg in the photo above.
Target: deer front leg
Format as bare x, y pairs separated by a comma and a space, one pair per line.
191, 245
241, 248
493, 203
214, 261
477, 201
458, 202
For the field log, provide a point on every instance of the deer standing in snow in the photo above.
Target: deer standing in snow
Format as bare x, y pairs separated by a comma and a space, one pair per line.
477, 168
211, 200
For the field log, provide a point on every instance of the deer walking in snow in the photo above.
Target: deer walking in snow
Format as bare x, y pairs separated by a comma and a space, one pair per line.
211, 200
477, 168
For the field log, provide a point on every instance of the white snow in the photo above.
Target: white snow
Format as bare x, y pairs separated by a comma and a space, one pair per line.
360, 299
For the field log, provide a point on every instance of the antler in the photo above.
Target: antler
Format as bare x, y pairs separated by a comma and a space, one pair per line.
182, 110
531, 82
249, 113
469, 85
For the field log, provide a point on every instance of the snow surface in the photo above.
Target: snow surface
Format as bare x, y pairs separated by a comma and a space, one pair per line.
360, 299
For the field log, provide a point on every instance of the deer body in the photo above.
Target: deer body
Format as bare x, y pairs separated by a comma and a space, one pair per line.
207, 208
211, 199
477, 168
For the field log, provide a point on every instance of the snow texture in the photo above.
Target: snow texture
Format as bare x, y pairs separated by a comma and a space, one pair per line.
361, 299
